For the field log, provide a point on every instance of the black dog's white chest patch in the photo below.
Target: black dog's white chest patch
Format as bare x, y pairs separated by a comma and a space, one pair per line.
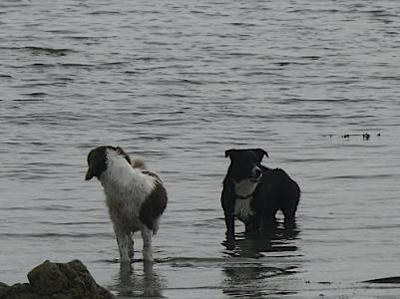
243, 208
244, 190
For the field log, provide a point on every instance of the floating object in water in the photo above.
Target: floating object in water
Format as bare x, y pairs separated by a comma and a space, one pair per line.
394, 279
365, 136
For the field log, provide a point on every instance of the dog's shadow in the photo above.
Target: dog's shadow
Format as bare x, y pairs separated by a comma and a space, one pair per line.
253, 246
138, 283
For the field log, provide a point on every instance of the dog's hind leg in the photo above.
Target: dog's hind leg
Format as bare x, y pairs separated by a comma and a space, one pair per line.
290, 218
130, 252
289, 202
288, 209
147, 246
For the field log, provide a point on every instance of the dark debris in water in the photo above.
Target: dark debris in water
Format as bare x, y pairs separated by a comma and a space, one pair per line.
365, 136
393, 279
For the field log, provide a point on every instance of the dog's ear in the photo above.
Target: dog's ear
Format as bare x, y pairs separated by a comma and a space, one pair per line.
92, 158
96, 160
260, 153
228, 153
121, 152
89, 175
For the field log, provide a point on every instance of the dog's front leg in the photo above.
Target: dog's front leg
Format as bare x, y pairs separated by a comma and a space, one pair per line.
228, 205
125, 244
268, 223
230, 227
147, 246
253, 226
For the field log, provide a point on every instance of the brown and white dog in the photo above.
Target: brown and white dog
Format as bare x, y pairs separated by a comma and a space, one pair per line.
135, 197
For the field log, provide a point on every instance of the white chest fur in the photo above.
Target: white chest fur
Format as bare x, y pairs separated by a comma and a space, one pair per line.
243, 209
245, 188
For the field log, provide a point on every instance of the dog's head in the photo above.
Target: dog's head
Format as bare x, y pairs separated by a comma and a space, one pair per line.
98, 157
245, 163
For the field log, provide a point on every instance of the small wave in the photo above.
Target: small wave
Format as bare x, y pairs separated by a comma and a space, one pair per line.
287, 63
242, 24
173, 95
28, 100
233, 262
315, 160
62, 31
80, 37
173, 260
47, 51
77, 65
242, 54
36, 94
63, 208
359, 177
39, 65
356, 228
198, 260
73, 223
56, 235
106, 12
192, 82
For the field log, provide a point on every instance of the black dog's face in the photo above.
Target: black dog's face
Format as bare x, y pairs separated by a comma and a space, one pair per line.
97, 160
245, 163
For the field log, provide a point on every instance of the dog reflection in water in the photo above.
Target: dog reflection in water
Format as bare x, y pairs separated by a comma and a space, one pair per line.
135, 197
283, 240
250, 272
130, 283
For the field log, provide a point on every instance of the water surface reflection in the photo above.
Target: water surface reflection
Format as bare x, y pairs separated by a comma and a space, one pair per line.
132, 282
258, 261
253, 246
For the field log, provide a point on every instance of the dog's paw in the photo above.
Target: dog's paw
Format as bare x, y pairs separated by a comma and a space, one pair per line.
229, 243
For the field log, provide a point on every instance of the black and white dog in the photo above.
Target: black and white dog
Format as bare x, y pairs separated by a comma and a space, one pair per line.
254, 193
135, 197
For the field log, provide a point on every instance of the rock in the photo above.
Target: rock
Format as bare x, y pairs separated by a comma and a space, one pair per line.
57, 280
48, 278
3, 289
3, 286
19, 291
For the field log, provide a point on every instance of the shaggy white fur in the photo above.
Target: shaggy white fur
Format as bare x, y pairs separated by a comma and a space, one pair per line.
126, 188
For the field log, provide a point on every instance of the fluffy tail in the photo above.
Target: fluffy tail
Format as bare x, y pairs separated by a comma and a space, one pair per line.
139, 163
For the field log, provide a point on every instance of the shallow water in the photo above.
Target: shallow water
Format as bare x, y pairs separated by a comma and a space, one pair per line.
177, 83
